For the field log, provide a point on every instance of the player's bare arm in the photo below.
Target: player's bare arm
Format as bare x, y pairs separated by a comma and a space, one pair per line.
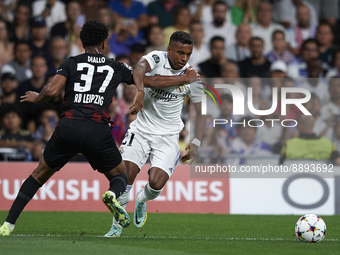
163, 81
139, 71
192, 148
48, 91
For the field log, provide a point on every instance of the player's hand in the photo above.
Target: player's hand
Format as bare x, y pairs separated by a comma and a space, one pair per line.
137, 103
29, 96
189, 153
191, 73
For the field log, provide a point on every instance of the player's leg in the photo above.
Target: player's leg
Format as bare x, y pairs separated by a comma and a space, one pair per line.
28, 189
157, 179
118, 182
132, 171
59, 150
134, 151
164, 158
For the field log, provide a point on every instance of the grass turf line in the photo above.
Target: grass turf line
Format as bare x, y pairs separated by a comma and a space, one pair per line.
81, 233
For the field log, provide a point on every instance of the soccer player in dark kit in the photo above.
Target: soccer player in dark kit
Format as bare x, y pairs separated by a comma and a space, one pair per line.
90, 81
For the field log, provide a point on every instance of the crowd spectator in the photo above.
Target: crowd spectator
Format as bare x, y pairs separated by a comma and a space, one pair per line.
285, 12
315, 83
335, 71
22, 15
280, 52
125, 35
48, 120
246, 143
39, 71
220, 26
137, 51
324, 37
226, 132
200, 51
332, 108
278, 70
126, 101
211, 151
104, 14
39, 45
65, 28
230, 72
308, 145
6, 47
240, 50
12, 136
270, 133
90, 7
118, 130
257, 64
212, 67
75, 46
326, 10
309, 50
162, 12
52, 10
20, 65
58, 52
9, 86
156, 39
336, 136
321, 127
264, 27
181, 22
130, 13
244, 11
303, 30
257, 98
203, 13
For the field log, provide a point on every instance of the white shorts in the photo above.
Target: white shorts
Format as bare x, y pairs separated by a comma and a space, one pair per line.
163, 150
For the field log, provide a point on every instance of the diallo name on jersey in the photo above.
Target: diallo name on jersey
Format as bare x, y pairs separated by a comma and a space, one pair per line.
95, 59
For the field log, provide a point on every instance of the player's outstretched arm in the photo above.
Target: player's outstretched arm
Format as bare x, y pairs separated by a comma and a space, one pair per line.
139, 71
192, 148
48, 91
162, 81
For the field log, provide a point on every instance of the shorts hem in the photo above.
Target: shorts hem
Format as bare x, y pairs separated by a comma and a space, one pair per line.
131, 160
162, 168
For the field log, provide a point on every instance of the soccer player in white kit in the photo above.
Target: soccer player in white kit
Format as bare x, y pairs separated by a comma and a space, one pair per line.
155, 132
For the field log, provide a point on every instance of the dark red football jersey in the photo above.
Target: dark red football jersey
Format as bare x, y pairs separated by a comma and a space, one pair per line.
92, 80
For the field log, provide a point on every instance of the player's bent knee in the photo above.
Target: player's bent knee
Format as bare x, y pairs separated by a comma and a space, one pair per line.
156, 185
42, 173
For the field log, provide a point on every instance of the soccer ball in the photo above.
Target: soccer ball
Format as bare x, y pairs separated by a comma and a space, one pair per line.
310, 228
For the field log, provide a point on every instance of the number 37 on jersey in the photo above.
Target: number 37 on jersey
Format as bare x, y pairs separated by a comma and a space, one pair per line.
87, 78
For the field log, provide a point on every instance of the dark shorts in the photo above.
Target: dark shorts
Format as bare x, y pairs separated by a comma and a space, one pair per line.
93, 140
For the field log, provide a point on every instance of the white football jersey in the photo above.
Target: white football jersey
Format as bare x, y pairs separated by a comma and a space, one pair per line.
161, 114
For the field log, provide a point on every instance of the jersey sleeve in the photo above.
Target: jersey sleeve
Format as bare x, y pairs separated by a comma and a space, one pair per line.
154, 58
65, 67
196, 92
127, 76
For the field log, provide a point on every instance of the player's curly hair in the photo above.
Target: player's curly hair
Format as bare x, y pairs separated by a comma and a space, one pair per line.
182, 37
93, 33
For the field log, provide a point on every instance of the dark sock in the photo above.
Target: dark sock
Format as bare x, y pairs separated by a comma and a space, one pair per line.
118, 184
26, 192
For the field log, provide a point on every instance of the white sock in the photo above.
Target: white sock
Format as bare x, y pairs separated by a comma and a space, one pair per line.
148, 194
11, 226
114, 195
123, 199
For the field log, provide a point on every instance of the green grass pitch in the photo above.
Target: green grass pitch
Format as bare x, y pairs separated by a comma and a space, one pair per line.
82, 233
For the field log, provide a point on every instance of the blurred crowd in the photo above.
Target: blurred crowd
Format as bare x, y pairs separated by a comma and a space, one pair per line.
248, 43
